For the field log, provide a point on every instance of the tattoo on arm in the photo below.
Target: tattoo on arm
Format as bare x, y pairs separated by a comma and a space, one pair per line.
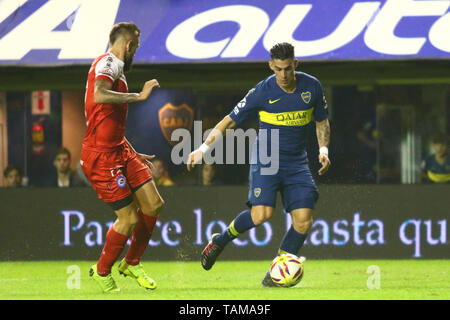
323, 132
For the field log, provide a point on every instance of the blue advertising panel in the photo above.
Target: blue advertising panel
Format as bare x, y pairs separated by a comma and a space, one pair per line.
54, 32
350, 222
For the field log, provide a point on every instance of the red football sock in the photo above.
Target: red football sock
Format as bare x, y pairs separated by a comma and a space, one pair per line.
114, 244
149, 222
141, 236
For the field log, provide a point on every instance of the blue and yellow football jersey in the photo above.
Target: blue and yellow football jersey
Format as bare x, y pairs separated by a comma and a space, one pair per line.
290, 113
438, 173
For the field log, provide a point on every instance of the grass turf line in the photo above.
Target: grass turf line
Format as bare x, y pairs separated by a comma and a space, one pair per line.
233, 280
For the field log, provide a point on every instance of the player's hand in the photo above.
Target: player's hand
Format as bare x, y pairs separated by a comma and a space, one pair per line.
325, 162
147, 89
195, 157
146, 160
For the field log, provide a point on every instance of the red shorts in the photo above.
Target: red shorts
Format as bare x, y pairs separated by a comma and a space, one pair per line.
114, 174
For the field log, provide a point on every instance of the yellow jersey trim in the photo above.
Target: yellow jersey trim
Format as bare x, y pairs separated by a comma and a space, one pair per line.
290, 118
439, 177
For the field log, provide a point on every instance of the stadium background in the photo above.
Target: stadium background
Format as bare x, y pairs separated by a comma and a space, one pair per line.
392, 214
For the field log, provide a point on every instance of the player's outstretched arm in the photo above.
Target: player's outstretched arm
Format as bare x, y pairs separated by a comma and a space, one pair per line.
216, 134
323, 137
104, 95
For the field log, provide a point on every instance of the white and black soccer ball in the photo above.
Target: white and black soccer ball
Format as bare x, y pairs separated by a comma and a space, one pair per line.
286, 270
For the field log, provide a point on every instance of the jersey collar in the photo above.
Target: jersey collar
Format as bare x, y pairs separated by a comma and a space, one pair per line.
120, 62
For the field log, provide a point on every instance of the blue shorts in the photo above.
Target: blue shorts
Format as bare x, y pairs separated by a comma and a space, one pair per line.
297, 187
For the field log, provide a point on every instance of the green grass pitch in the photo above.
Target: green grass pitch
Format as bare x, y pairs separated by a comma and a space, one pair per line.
232, 280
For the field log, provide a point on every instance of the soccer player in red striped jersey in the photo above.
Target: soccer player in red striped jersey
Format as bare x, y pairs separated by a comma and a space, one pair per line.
120, 176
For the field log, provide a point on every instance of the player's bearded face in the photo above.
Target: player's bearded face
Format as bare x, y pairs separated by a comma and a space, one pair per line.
129, 55
128, 61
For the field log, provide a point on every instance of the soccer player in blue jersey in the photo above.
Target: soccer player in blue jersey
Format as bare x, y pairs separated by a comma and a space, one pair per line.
286, 102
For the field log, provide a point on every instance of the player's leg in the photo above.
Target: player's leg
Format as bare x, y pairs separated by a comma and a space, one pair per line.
294, 238
262, 199
302, 220
105, 173
245, 221
150, 204
116, 239
299, 194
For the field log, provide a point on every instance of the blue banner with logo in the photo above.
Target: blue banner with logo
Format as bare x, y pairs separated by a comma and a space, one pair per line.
54, 32
156, 119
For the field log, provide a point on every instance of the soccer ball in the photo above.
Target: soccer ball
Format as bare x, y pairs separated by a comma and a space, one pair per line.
286, 270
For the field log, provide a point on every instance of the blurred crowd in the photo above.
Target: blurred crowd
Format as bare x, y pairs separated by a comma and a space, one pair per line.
63, 176
435, 167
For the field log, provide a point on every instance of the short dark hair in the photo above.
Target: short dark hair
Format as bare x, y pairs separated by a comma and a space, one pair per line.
440, 138
8, 170
282, 51
63, 151
123, 28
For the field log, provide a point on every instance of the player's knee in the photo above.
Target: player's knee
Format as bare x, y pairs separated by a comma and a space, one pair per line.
153, 209
131, 221
261, 215
159, 206
302, 226
126, 223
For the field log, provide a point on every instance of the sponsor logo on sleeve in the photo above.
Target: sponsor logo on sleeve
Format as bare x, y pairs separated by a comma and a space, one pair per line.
106, 71
242, 103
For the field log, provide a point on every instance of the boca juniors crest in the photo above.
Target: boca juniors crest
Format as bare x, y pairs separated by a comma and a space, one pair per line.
306, 96
174, 117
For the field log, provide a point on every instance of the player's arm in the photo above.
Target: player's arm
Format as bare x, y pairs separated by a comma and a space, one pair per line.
246, 107
323, 132
104, 95
216, 134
